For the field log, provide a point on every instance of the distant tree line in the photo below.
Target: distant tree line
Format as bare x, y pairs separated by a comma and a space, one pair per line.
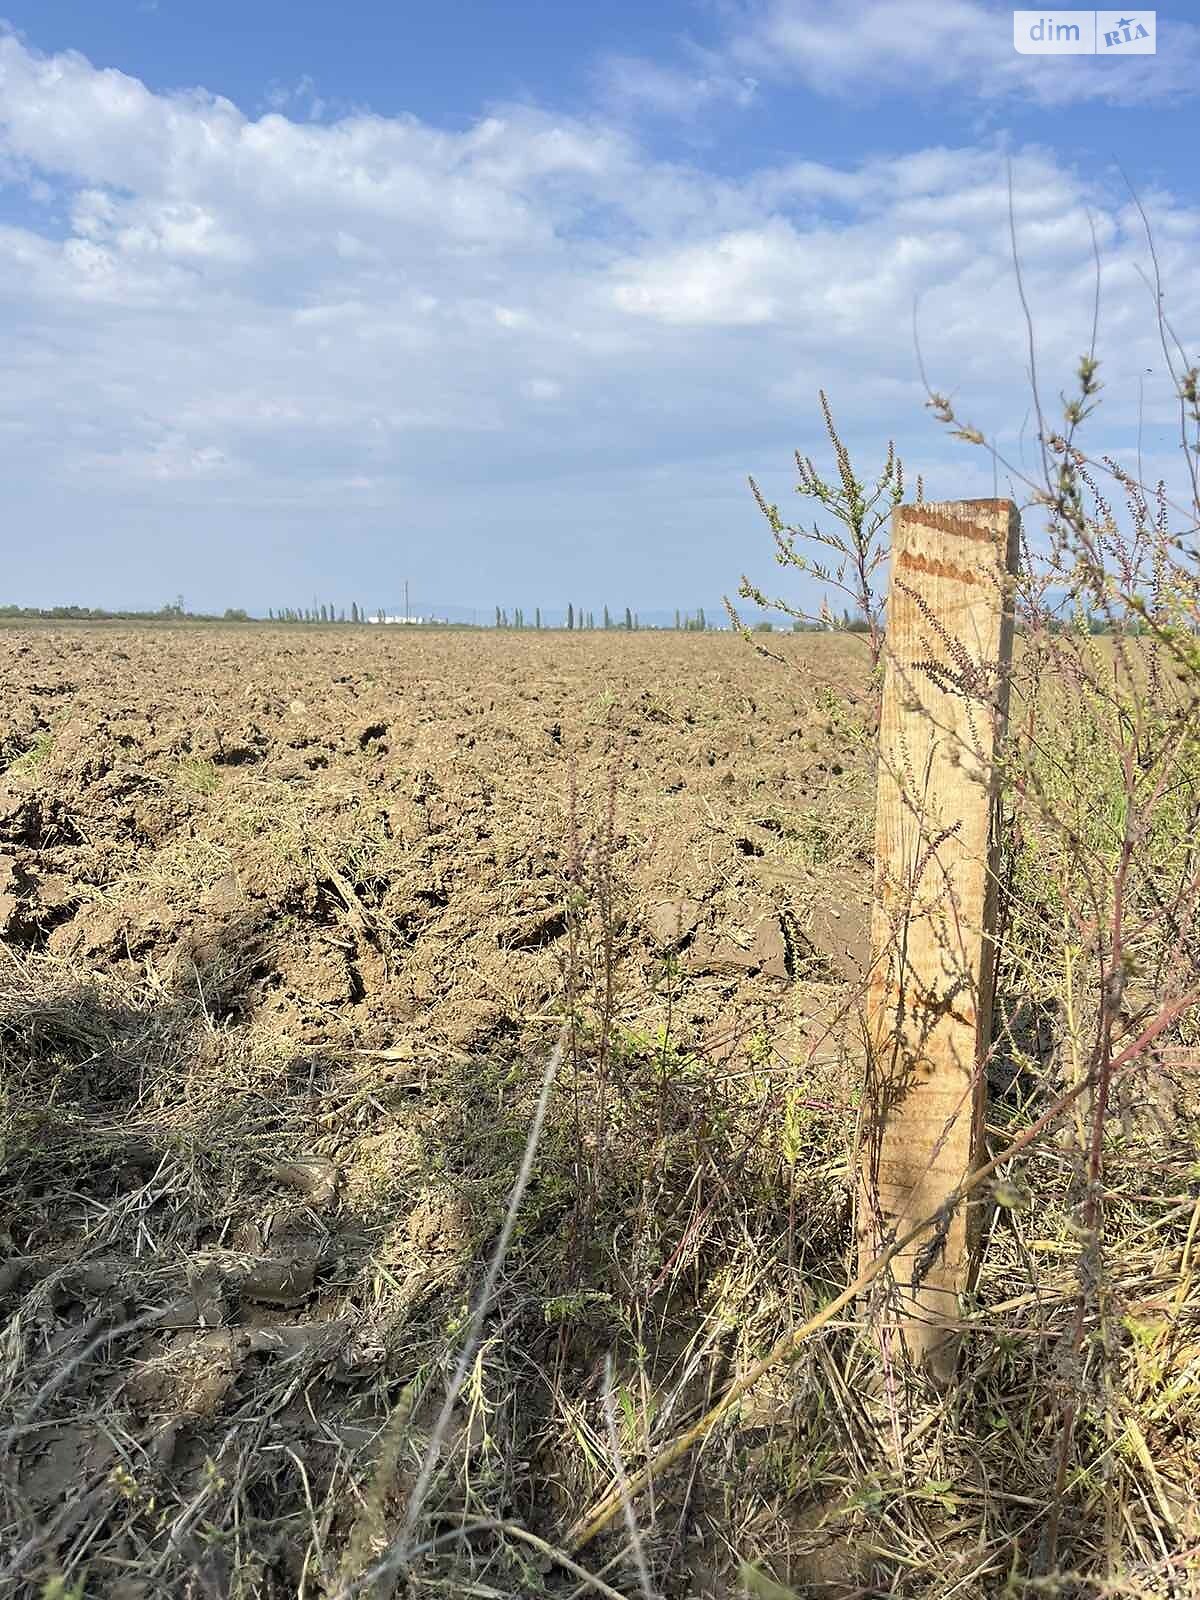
317, 613
579, 619
173, 611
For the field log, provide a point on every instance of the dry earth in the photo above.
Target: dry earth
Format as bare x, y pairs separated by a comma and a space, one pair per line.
291, 918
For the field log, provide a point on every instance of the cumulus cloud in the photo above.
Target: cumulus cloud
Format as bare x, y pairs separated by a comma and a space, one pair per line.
238, 327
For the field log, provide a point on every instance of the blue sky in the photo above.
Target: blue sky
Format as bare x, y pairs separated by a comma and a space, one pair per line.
508, 300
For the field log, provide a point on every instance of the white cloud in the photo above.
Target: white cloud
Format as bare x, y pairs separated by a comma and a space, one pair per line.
372, 318
863, 48
735, 279
167, 460
301, 97
631, 84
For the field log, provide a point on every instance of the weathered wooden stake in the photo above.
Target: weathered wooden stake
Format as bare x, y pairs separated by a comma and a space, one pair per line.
945, 700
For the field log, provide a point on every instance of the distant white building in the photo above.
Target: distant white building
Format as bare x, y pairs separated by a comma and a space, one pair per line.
405, 620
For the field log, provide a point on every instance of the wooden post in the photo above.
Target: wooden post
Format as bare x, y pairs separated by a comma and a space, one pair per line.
945, 701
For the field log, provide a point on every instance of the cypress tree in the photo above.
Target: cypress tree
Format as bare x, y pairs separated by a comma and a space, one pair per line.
628, 620
570, 616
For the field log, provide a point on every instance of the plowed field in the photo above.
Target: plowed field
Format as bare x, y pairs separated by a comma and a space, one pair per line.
292, 919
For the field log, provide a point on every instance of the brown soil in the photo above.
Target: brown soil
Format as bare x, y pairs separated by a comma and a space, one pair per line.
287, 921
